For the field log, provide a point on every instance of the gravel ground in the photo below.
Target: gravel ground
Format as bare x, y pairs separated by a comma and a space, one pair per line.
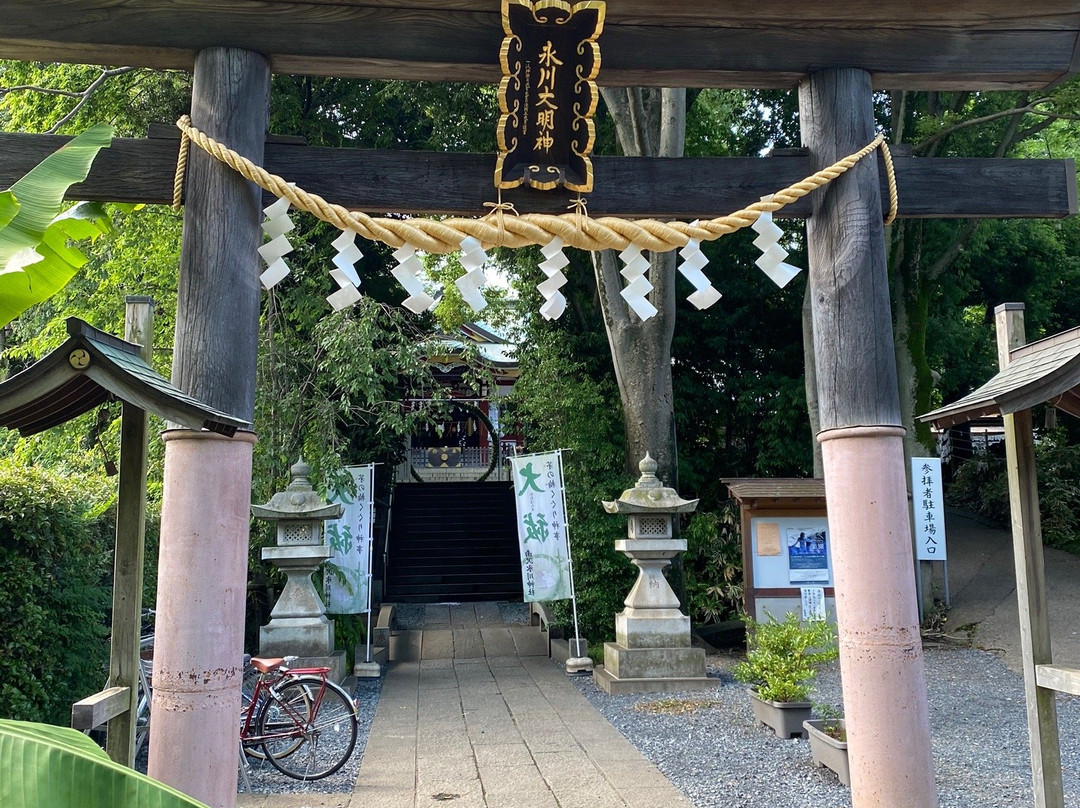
718, 757
265, 779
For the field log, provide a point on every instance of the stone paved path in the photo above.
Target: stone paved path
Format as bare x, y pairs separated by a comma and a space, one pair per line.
477, 719
499, 732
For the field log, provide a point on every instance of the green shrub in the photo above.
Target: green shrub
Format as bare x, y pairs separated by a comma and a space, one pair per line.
713, 565
783, 657
981, 485
54, 596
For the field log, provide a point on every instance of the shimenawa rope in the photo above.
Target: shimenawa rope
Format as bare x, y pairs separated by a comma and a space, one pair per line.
584, 232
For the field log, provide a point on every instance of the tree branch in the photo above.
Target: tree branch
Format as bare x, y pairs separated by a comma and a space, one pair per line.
1024, 110
33, 88
954, 249
86, 94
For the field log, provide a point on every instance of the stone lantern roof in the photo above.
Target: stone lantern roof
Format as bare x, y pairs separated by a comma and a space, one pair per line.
650, 495
299, 501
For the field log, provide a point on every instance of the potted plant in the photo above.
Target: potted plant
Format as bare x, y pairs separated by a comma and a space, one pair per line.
828, 742
782, 659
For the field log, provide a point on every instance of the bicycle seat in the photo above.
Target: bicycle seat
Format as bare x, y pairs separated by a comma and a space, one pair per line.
265, 665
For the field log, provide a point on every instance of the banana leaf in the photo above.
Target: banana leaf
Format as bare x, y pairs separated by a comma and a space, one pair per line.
35, 259
42, 765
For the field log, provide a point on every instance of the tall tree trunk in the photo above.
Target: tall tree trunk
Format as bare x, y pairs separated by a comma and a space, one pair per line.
649, 123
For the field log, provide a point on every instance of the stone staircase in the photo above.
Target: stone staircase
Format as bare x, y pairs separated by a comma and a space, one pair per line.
458, 631
453, 542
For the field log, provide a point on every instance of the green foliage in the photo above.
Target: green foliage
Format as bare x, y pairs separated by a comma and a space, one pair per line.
35, 258
560, 402
55, 560
350, 634
713, 564
62, 768
783, 657
981, 485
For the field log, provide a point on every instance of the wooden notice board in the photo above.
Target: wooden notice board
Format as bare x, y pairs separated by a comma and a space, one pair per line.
785, 540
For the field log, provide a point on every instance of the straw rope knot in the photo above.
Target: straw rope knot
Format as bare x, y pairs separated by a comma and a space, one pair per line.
498, 210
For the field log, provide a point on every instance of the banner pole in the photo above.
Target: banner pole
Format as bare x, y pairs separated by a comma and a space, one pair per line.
370, 550
570, 559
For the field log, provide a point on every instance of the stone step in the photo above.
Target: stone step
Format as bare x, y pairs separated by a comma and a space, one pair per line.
467, 643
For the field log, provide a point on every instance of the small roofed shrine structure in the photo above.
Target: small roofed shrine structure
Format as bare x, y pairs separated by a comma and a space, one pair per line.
470, 443
90, 369
1046, 371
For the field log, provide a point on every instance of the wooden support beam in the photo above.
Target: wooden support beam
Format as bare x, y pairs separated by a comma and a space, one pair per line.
885, 698
95, 710
130, 544
206, 496
377, 181
1030, 577
1058, 678
681, 44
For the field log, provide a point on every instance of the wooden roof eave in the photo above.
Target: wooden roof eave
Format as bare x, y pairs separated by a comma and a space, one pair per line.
51, 391
1022, 384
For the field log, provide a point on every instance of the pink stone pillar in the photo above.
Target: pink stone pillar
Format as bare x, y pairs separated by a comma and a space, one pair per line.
881, 658
202, 574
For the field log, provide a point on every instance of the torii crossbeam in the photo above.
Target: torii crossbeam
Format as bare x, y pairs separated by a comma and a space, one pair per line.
836, 53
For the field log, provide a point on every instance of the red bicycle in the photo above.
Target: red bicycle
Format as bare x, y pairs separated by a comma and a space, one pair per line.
300, 721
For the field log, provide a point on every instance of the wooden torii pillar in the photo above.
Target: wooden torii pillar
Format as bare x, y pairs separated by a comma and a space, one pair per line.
202, 571
862, 445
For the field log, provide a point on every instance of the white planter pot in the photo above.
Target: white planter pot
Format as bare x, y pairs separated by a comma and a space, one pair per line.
785, 717
826, 750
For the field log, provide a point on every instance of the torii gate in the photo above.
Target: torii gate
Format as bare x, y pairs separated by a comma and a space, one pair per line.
835, 59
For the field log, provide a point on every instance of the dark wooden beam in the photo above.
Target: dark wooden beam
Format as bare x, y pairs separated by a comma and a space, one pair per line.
688, 47
141, 170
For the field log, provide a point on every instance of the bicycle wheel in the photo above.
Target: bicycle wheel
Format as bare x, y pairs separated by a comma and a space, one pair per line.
247, 692
280, 726
325, 726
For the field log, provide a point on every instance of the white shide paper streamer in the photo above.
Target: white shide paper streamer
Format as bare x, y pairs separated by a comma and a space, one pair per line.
277, 224
344, 271
407, 273
694, 261
473, 281
638, 286
771, 260
554, 261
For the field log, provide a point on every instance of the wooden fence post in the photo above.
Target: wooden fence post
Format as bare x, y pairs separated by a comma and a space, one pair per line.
1030, 577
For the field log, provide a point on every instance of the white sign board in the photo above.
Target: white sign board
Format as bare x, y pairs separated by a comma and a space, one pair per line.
813, 602
789, 551
346, 573
542, 537
928, 505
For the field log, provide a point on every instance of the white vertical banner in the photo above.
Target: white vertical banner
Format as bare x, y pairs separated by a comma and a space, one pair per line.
347, 574
542, 533
928, 506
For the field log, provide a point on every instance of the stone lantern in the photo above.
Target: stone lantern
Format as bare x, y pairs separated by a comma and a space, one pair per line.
298, 624
651, 652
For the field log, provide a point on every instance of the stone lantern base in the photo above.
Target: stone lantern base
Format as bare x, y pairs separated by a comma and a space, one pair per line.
652, 670
652, 651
